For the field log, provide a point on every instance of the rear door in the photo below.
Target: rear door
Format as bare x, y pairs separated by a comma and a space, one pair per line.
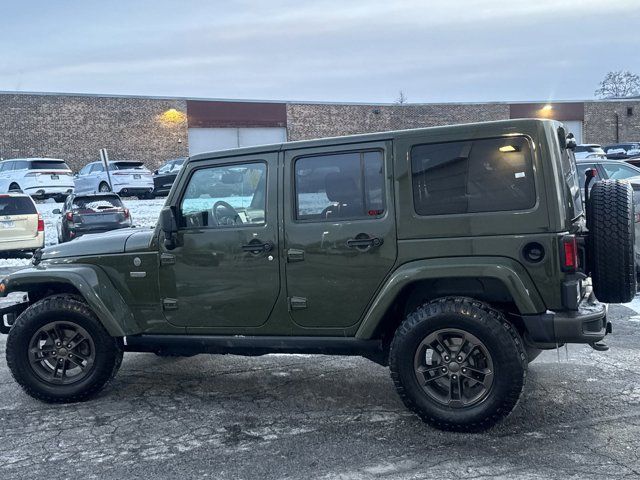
18, 218
340, 234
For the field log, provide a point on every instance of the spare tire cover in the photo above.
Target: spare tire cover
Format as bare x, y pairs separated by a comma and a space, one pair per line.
610, 246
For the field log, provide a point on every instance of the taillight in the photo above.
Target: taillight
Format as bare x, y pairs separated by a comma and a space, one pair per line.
69, 216
126, 213
569, 253
40, 223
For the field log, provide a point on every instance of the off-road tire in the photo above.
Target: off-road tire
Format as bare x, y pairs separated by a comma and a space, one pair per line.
610, 248
499, 337
72, 309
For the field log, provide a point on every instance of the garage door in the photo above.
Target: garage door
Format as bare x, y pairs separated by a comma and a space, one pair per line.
575, 127
212, 139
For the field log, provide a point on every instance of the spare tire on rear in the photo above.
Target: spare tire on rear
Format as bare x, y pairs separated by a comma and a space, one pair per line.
610, 247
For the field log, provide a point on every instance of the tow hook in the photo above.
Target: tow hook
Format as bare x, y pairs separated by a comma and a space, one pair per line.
601, 346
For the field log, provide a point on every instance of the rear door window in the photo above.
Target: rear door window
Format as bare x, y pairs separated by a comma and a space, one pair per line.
16, 206
494, 174
340, 186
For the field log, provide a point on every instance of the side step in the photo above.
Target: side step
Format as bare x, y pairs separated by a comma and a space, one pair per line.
253, 345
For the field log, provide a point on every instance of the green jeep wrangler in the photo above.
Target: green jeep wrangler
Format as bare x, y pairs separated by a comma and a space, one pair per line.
454, 255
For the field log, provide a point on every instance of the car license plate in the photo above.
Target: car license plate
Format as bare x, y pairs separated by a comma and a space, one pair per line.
55, 177
7, 224
137, 177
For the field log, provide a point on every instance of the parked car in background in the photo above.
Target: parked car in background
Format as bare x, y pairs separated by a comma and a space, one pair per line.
164, 177
91, 213
609, 169
617, 170
129, 179
589, 150
38, 177
623, 151
21, 226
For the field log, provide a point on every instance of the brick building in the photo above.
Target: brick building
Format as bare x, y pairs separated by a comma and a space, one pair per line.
151, 129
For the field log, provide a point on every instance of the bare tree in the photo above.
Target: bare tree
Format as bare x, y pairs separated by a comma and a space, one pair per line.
401, 99
619, 84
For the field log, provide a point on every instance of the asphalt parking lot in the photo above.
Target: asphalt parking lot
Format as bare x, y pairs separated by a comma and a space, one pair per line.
291, 417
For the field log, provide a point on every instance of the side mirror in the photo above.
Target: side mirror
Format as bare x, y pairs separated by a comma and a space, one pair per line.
75, 175
56, 211
155, 172
169, 227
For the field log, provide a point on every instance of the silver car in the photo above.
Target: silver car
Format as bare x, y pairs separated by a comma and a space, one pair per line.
128, 179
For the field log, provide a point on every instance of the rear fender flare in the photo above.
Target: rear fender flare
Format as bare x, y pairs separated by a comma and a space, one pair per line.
511, 273
94, 286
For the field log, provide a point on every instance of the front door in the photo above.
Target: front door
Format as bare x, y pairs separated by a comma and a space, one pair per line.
224, 269
340, 231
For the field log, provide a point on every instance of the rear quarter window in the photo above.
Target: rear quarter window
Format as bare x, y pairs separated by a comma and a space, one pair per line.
485, 175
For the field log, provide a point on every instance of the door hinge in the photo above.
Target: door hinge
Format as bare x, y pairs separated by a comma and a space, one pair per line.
167, 259
297, 303
169, 304
295, 255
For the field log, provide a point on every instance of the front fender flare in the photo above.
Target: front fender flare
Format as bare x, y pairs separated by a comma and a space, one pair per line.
92, 283
511, 273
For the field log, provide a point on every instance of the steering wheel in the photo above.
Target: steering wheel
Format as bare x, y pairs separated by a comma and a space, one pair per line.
230, 217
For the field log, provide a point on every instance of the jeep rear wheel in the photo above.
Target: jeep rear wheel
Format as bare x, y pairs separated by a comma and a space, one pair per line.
58, 351
610, 220
458, 364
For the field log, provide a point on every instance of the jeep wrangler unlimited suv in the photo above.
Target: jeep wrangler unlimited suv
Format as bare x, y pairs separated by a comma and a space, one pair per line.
452, 254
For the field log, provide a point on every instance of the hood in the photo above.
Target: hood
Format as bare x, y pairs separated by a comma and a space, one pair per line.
115, 241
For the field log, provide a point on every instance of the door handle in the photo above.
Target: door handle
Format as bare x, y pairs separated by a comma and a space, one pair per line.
256, 246
362, 243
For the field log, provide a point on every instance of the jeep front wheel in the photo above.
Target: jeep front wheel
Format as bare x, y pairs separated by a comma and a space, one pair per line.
58, 351
458, 364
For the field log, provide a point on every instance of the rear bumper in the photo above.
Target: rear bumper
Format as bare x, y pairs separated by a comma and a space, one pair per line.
49, 191
587, 324
28, 244
132, 191
78, 232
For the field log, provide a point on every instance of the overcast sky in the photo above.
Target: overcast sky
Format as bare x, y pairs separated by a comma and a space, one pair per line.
323, 50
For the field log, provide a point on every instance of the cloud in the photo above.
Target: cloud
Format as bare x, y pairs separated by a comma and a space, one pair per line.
323, 50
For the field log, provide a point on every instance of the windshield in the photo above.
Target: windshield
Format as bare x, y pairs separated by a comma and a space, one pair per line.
48, 165
16, 205
96, 203
589, 149
126, 166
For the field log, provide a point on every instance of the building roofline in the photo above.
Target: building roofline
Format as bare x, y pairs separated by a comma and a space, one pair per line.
308, 102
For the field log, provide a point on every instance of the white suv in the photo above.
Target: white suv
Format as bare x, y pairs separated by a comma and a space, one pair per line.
129, 179
21, 226
39, 177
